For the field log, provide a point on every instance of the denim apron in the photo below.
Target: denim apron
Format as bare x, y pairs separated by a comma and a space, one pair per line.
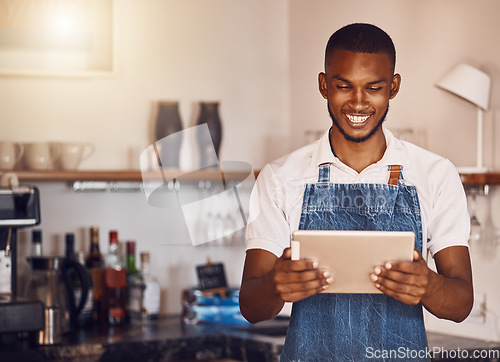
357, 327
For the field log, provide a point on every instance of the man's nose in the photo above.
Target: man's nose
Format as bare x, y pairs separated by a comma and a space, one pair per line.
359, 100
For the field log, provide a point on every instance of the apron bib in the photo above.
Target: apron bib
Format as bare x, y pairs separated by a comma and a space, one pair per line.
357, 327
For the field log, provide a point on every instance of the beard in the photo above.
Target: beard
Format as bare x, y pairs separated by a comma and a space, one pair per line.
357, 139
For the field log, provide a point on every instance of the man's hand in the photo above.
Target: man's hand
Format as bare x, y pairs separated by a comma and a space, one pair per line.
447, 294
268, 282
405, 281
298, 279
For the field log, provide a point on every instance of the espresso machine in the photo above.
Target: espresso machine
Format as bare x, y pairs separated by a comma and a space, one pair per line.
19, 208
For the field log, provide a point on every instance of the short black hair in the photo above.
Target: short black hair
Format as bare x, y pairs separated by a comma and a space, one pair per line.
361, 38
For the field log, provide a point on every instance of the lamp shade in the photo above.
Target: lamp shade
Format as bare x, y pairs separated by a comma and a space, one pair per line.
469, 83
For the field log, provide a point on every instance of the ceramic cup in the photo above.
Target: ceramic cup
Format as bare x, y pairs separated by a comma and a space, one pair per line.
40, 155
10, 153
71, 154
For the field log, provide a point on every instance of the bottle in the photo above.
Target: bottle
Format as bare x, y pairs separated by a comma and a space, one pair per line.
131, 263
115, 282
76, 285
95, 265
132, 272
70, 255
36, 245
70, 246
144, 294
86, 315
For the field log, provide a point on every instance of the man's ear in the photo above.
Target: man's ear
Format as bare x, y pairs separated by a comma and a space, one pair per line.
322, 85
396, 82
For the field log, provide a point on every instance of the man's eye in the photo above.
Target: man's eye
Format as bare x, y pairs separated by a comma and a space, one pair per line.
342, 87
374, 89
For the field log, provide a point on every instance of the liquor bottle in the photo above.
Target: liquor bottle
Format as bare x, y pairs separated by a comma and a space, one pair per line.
70, 246
95, 265
86, 315
144, 294
115, 282
76, 285
132, 273
36, 242
131, 263
70, 255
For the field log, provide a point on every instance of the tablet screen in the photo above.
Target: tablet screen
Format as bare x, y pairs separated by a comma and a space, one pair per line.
351, 255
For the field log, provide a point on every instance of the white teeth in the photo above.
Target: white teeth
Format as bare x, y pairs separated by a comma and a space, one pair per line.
357, 119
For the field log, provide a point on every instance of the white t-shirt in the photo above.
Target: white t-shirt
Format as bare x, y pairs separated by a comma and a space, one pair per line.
276, 200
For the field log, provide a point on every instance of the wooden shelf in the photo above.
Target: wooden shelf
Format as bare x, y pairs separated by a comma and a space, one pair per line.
489, 178
126, 175
90, 175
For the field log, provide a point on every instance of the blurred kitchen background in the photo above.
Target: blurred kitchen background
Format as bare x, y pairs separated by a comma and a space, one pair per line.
259, 59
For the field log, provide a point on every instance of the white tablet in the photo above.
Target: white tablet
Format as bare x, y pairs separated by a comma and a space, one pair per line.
351, 255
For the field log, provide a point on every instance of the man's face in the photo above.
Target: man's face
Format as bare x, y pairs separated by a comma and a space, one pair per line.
358, 87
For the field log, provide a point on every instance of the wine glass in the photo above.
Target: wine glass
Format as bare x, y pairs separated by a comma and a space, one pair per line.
475, 225
488, 243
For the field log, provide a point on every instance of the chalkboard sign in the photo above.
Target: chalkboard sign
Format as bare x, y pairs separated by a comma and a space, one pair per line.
212, 277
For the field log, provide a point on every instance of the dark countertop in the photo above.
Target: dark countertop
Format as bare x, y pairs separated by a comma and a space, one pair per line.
168, 339
449, 348
171, 340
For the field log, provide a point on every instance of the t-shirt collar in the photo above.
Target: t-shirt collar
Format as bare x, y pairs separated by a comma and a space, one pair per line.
395, 154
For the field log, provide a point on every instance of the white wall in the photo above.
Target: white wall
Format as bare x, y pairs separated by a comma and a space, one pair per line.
261, 60
430, 38
162, 232
235, 52
231, 51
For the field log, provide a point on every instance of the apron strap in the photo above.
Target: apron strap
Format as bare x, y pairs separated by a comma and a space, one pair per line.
394, 175
324, 172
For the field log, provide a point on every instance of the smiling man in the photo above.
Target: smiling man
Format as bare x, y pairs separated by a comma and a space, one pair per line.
357, 157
